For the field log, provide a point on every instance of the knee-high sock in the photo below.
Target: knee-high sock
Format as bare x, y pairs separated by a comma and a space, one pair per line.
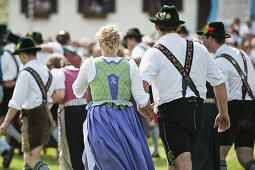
250, 165
154, 135
13, 133
26, 167
3, 146
41, 166
223, 165
55, 133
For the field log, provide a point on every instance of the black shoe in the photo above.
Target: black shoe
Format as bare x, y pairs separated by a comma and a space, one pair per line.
155, 155
8, 158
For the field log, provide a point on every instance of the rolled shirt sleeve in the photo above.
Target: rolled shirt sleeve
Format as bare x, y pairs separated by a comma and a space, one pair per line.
59, 77
147, 69
20, 92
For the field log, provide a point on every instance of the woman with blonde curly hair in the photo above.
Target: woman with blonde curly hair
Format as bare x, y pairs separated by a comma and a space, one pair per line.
113, 137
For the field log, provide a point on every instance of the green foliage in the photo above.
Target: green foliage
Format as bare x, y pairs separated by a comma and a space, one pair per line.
3, 11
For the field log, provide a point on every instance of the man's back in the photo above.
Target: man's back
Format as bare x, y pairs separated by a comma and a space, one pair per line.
233, 80
203, 67
27, 92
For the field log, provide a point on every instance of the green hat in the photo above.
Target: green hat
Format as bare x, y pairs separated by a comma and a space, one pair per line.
25, 44
215, 29
133, 32
167, 15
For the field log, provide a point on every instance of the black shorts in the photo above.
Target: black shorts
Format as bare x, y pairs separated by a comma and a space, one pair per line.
179, 123
242, 124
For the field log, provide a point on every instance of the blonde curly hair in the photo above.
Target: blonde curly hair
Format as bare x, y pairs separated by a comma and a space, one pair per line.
108, 37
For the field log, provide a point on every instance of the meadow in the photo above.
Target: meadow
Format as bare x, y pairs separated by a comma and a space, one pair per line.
160, 163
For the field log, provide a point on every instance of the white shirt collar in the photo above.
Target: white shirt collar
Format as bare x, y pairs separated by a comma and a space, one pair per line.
31, 63
169, 36
221, 49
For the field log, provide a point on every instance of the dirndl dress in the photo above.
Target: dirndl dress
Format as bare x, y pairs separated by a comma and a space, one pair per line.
113, 136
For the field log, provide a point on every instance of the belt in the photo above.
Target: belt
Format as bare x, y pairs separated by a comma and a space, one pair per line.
209, 100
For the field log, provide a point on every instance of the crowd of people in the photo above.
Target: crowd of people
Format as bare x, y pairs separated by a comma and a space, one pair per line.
100, 100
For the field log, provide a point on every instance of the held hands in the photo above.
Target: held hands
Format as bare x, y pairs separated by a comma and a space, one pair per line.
147, 111
222, 122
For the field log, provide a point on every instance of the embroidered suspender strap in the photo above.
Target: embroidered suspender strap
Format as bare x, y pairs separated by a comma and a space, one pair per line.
184, 71
16, 63
44, 89
246, 87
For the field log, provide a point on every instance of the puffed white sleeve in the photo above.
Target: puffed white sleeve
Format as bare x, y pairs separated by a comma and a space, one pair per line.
59, 78
140, 96
86, 75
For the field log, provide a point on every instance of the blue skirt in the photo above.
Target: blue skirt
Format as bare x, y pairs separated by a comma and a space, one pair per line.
114, 139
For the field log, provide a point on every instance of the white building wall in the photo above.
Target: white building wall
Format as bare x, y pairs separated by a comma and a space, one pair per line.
128, 14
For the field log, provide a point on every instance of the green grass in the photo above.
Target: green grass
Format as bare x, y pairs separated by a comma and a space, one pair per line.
160, 163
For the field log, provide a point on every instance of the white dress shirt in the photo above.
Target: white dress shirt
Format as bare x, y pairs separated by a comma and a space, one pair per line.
9, 68
166, 80
27, 94
232, 78
88, 73
139, 50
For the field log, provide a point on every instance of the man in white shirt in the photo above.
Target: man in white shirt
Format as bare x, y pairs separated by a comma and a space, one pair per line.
32, 92
179, 91
10, 65
240, 79
135, 45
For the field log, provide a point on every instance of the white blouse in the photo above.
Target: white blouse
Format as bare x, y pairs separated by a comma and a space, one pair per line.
87, 74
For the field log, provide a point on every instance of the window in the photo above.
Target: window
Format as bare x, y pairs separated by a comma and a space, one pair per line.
96, 8
42, 8
152, 6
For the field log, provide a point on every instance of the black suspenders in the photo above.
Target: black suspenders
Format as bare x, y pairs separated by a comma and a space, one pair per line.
184, 71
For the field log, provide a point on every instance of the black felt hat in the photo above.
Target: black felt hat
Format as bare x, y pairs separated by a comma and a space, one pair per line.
25, 44
214, 29
133, 32
12, 37
167, 15
37, 37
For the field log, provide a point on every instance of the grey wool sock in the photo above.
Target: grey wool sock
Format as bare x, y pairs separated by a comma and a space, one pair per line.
154, 135
13, 133
250, 165
26, 167
223, 165
41, 166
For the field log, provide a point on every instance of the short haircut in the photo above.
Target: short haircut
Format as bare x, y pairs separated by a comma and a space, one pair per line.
219, 40
57, 61
62, 37
138, 39
30, 53
166, 28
